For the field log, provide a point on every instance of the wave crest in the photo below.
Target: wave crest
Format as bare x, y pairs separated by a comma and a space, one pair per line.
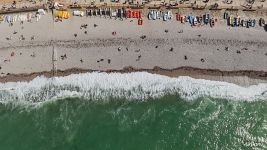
132, 86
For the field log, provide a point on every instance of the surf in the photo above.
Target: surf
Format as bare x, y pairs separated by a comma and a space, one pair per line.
138, 86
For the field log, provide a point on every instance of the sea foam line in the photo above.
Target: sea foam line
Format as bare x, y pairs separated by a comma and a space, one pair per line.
132, 86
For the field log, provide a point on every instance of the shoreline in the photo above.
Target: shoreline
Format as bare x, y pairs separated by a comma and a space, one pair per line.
242, 78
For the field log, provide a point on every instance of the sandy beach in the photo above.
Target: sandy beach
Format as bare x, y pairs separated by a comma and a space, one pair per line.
169, 48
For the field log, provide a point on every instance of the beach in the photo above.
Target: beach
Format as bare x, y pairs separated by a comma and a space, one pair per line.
50, 48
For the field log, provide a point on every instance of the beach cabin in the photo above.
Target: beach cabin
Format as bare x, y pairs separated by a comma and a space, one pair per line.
261, 22
129, 14
183, 18
230, 20
140, 21
212, 22
178, 17
169, 13
62, 14
158, 13
78, 13
165, 17
225, 15
190, 19
206, 18
41, 11
152, 15
253, 23
1, 18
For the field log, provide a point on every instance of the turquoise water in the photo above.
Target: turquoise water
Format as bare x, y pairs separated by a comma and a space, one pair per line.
158, 124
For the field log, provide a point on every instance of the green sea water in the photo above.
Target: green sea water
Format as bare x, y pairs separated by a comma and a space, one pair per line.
156, 124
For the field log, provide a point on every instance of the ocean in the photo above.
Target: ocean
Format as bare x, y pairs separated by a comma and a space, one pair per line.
131, 111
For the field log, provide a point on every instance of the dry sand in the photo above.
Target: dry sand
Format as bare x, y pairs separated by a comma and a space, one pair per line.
168, 45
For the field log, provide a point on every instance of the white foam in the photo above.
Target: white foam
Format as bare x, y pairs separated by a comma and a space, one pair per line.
133, 86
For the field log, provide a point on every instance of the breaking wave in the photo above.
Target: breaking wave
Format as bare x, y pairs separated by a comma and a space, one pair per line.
132, 86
